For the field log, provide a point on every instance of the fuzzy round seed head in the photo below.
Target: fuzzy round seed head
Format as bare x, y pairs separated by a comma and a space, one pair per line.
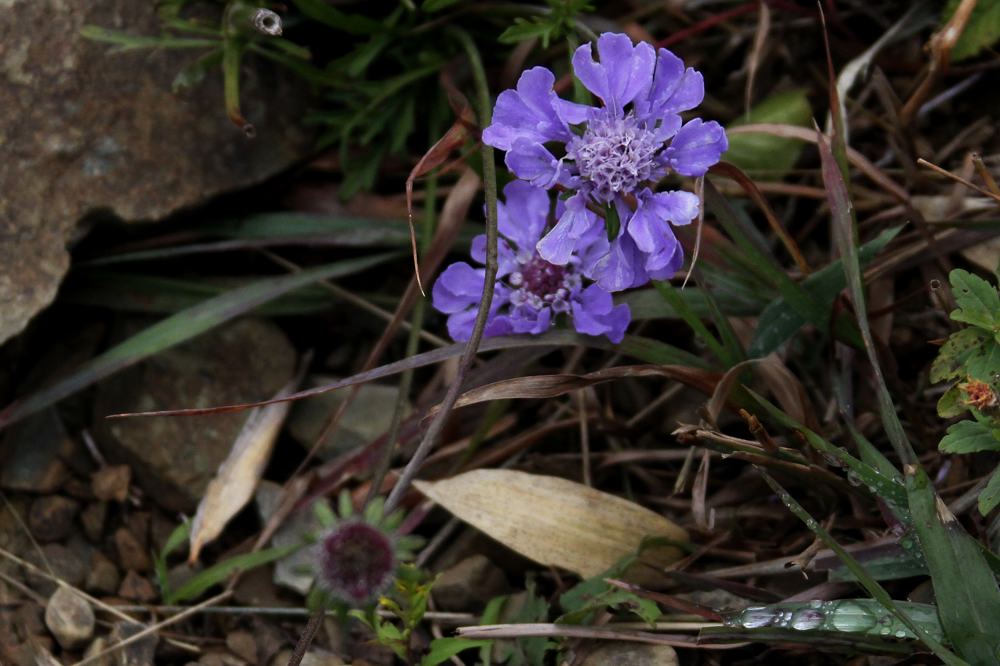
356, 562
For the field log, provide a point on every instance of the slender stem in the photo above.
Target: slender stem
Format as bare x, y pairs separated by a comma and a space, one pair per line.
412, 343
306, 639
472, 346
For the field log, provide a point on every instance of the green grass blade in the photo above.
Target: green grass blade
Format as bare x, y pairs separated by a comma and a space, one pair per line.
968, 598
779, 321
180, 327
673, 298
885, 486
217, 574
844, 232
870, 584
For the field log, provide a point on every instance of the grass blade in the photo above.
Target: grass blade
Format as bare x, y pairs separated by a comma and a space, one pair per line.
967, 595
180, 327
870, 584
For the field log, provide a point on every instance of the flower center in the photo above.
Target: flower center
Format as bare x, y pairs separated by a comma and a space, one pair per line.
540, 283
615, 155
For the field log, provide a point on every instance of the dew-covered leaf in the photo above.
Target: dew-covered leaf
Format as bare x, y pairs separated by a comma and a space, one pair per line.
955, 353
981, 32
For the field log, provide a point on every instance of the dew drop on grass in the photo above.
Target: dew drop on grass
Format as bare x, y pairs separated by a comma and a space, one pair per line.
759, 616
807, 619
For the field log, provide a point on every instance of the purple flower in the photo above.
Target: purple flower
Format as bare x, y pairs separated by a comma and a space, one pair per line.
610, 155
531, 291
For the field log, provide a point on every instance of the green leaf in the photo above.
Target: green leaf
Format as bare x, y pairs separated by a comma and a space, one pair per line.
870, 584
852, 616
950, 404
970, 437
443, 649
978, 301
180, 327
955, 353
523, 29
437, 5
766, 155
966, 591
218, 574
321, 11
176, 539
989, 498
125, 42
779, 321
981, 32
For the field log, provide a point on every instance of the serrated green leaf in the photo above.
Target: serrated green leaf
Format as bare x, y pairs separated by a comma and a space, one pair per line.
950, 404
989, 498
955, 354
966, 591
969, 437
766, 155
978, 301
981, 32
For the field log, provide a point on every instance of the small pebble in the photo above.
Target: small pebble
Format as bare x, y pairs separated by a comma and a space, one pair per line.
70, 618
51, 517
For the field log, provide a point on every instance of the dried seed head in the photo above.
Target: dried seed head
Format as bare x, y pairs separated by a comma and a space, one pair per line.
979, 394
356, 562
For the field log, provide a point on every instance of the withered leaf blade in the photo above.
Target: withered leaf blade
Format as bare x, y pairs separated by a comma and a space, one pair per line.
240, 473
556, 522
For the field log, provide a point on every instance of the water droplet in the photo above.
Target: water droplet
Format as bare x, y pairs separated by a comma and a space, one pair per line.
853, 478
812, 524
900, 634
758, 616
851, 616
885, 631
807, 618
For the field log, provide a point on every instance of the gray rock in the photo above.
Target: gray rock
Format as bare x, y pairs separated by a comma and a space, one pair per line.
174, 459
69, 618
631, 654
102, 577
69, 564
93, 518
469, 585
86, 131
368, 416
51, 517
139, 653
294, 572
32, 451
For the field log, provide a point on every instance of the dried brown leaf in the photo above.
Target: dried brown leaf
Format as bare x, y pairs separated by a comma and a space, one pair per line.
553, 521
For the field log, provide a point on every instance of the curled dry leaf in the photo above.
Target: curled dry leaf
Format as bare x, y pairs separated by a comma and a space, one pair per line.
557, 522
240, 473
550, 386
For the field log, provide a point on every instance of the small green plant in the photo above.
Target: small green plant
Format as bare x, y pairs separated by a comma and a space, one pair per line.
970, 360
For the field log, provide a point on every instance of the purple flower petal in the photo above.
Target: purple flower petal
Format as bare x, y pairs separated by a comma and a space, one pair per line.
576, 221
594, 313
506, 256
532, 162
622, 267
572, 113
624, 71
649, 226
526, 319
696, 147
526, 112
664, 265
523, 214
459, 286
674, 89
460, 325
